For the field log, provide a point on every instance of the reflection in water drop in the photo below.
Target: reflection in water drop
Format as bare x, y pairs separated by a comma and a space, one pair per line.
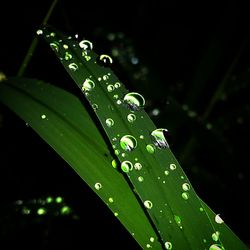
109, 122
159, 137
86, 45
98, 186
128, 143
126, 166
148, 204
131, 118
134, 101
88, 85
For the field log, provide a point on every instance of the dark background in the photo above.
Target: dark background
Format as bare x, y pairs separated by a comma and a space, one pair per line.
190, 62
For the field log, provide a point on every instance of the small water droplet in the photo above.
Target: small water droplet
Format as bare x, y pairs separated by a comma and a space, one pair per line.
116, 214
168, 245
185, 195
138, 166
114, 163
98, 186
39, 32
111, 200
126, 166
185, 186
216, 235
110, 88
155, 112
148, 245
218, 219
148, 204
86, 45
117, 85
216, 247
104, 60
172, 166
52, 34
95, 106
54, 46
65, 46
109, 122
123, 155
43, 116
88, 85
177, 220
117, 152
128, 143
141, 137
140, 179
105, 77
119, 102
152, 239
150, 148
115, 96
201, 209
67, 56
131, 118
166, 172
159, 138
134, 101
73, 66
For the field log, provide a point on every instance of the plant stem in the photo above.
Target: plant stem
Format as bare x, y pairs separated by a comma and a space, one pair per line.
34, 42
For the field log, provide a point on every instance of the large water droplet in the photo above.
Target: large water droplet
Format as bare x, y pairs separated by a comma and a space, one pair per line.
39, 32
54, 46
218, 219
159, 138
126, 166
216, 247
150, 148
73, 66
109, 122
104, 60
138, 166
131, 118
86, 45
168, 245
216, 235
185, 186
128, 143
134, 101
148, 204
43, 116
88, 85
98, 186
152, 239
110, 88
172, 166
117, 85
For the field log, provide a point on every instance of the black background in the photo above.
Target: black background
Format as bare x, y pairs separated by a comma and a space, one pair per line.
185, 52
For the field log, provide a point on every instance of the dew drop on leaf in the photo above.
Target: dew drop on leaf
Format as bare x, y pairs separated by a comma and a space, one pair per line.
111, 200
65, 46
98, 186
126, 166
67, 56
218, 219
128, 143
39, 32
216, 247
159, 138
140, 179
110, 88
150, 148
185, 195
172, 166
215, 236
88, 85
134, 101
148, 204
95, 106
168, 245
131, 118
152, 239
109, 122
43, 116
86, 45
73, 66
104, 60
138, 166
185, 186
117, 85
54, 46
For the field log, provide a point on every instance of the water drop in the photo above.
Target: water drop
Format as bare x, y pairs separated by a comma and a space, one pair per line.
98, 186
148, 245
168, 245
117, 85
138, 166
140, 179
150, 148
218, 219
185, 186
166, 172
73, 66
134, 101
216, 247
67, 56
201, 209
115, 96
152, 239
95, 106
128, 143
141, 137
116, 214
117, 152
43, 116
39, 32
159, 137
104, 60
105, 77
131, 118
52, 34
216, 235
148, 204
109, 122
177, 220
123, 155
126, 166
119, 102
185, 195
54, 46
110, 88
41, 211
88, 85
86, 45
155, 112
114, 164
65, 46
111, 200
172, 166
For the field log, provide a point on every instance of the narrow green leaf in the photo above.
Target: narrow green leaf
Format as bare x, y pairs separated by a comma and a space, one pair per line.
181, 220
61, 120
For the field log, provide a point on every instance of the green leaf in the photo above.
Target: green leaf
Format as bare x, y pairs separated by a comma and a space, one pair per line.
180, 219
61, 120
